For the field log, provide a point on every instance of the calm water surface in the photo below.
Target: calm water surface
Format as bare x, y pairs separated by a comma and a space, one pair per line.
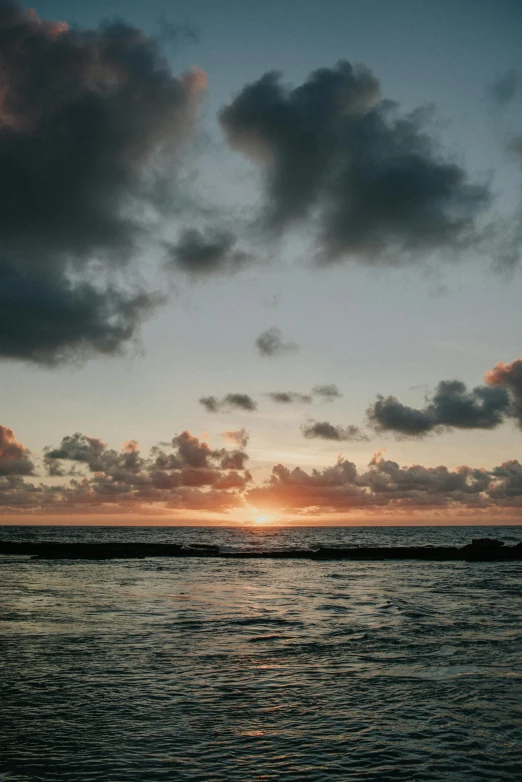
246, 670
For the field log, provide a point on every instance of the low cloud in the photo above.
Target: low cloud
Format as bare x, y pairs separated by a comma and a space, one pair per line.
454, 406
186, 473
271, 343
324, 430
386, 486
289, 397
369, 181
201, 253
327, 393
228, 403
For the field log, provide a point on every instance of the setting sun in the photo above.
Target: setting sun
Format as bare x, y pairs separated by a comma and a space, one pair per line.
263, 518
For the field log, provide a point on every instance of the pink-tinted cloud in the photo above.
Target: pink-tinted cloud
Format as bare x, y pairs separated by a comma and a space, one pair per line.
195, 79
14, 456
238, 437
130, 446
509, 376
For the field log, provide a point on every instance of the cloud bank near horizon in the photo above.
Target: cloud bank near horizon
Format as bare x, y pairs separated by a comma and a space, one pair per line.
186, 474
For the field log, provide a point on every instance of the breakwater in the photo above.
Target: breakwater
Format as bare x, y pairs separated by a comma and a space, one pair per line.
480, 549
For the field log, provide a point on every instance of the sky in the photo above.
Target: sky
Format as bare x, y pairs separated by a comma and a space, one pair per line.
260, 262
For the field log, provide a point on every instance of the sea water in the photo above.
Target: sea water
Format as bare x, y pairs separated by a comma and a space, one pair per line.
225, 670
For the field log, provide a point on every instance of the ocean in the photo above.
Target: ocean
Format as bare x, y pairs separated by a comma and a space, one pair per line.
238, 670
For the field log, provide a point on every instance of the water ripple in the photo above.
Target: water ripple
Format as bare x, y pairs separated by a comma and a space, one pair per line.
220, 672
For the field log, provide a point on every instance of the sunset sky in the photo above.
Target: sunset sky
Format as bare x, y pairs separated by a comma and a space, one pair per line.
260, 262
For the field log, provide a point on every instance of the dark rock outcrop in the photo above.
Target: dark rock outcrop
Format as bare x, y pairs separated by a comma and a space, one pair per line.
481, 549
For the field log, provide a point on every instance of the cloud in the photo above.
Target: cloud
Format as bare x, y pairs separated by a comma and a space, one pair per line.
14, 457
238, 437
327, 431
91, 452
200, 253
370, 181
228, 403
186, 473
191, 451
504, 88
453, 406
49, 320
92, 123
270, 343
289, 397
386, 486
509, 376
210, 403
233, 460
327, 393
130, 446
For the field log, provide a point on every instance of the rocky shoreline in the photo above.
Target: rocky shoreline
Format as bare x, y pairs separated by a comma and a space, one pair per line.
479, 550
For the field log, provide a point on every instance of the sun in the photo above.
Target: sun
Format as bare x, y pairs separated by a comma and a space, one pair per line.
259, 517
264, 518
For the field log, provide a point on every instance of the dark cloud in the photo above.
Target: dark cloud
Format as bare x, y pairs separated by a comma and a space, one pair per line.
50, 319
327, 431
233, 460
14, 457
228, 403
328, 392
387, 414
507, 481
79, 449
334, 152
289, 397
239, 402
91, 123
199, 253
210, 403
270, 343
504, 88
387, 477
191, 451
453, 406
